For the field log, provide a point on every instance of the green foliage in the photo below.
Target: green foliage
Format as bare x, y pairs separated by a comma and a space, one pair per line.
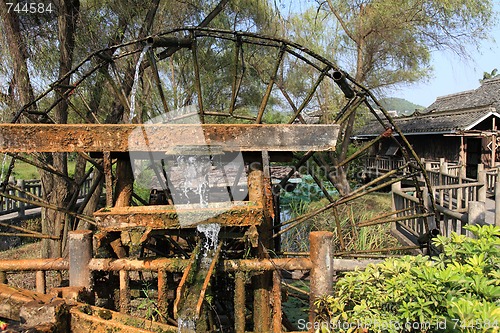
393, 42
399, 104
149, 304
459, 291
490, 75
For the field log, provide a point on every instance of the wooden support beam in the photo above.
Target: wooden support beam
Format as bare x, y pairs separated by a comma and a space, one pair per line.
161, 217
30, 138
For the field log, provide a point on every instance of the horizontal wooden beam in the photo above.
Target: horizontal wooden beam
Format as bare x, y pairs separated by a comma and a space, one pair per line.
172, 139
181, 216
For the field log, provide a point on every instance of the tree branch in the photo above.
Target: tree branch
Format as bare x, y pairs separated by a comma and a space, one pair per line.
343, 24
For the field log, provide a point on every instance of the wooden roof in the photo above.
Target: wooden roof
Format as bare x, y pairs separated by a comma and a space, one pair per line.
448, 114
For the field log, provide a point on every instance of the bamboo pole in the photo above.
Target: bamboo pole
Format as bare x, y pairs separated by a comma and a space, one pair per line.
197, 82
270, 85
237, 79
310, 93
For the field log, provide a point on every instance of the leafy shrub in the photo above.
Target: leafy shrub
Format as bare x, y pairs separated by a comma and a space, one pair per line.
458, 291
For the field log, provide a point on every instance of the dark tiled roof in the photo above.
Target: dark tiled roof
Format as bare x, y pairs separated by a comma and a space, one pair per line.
447, 114
488, 94
435, 122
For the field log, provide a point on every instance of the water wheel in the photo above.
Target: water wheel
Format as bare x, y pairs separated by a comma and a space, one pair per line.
215, 127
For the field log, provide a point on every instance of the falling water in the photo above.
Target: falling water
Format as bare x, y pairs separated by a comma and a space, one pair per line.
195, 177
186, 325
211, 233
136, 80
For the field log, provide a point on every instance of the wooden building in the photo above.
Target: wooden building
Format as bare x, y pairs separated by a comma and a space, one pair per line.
461, 127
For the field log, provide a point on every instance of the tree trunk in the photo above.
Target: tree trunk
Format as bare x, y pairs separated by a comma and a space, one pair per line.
57, 189
21, 82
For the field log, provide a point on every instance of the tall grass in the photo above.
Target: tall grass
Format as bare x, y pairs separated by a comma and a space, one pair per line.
349, 215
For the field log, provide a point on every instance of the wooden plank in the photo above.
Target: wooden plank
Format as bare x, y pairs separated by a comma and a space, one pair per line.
180, 216
15, 138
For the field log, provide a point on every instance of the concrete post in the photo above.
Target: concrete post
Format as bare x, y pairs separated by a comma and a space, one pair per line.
80, 254
477, 215
481, 178
321, 252
395, 187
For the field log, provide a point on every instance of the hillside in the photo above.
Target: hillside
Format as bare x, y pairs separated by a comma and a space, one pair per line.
399, 104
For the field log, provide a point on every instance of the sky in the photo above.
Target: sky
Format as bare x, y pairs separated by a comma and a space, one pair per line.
451, 74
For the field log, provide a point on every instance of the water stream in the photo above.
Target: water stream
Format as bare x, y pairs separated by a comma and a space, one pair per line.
195, 179
187, 316
136, 81
211, 233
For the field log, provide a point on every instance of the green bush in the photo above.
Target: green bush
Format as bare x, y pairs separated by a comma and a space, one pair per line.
458, 291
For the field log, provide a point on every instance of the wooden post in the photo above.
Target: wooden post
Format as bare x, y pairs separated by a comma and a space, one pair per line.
108, 176
124, 181
261, 281
477, 215
497, 201
277, 314
463, 156
431, 220
22, 206
163, 294
80, 254
494, 143
481, 178
239, 302
443, 170
41, 284
124, 291
321, 252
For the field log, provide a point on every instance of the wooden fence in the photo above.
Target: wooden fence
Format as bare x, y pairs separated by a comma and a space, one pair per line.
458, 200
33, 186
382, 164
81, 265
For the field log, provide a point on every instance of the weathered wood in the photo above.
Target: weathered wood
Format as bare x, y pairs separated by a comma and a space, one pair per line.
180, 216
87, 318
164, 137
13, 299
322, 271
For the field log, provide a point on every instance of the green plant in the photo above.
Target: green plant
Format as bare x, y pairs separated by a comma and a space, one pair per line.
149, 304
458, 291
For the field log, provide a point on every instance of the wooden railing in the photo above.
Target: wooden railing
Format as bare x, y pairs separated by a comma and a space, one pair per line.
33, 186
491, 179
453, 214
383, 164
408, 205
